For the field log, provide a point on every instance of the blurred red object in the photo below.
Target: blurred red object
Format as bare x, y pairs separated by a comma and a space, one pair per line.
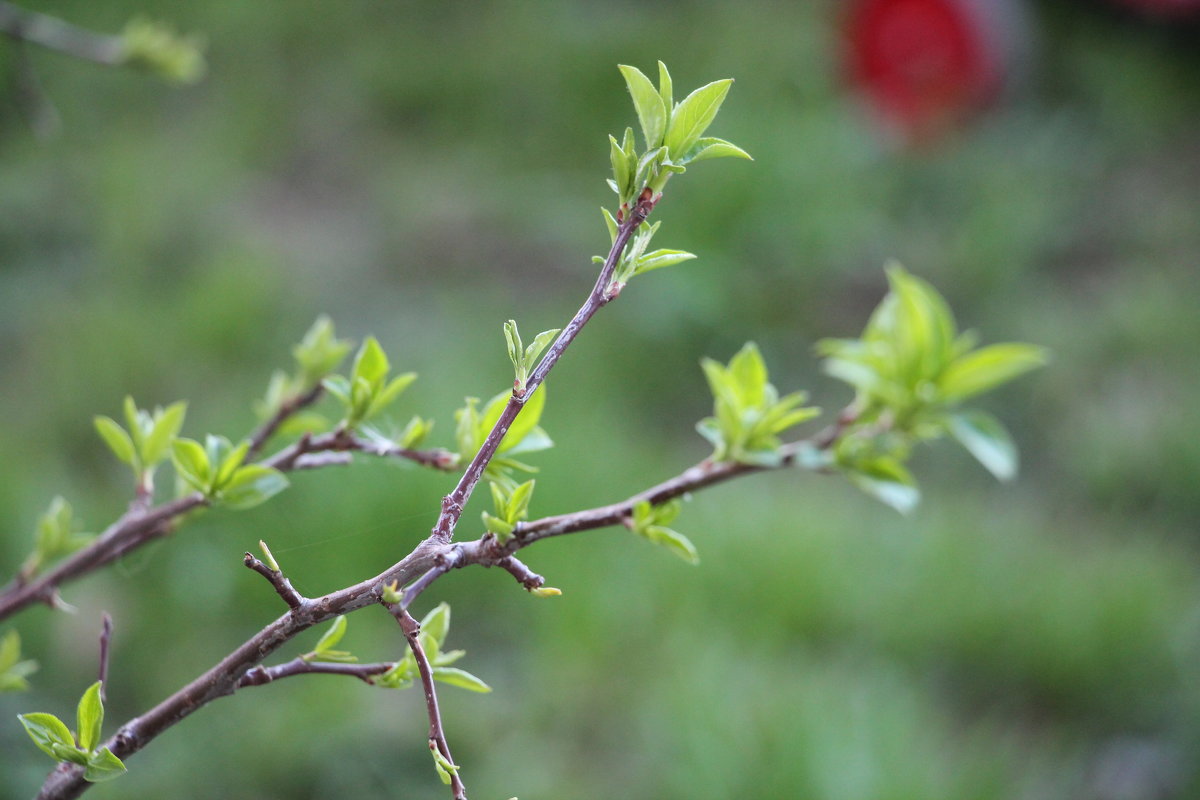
926, 65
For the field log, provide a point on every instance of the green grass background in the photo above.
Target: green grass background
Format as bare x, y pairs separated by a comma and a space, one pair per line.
424, 172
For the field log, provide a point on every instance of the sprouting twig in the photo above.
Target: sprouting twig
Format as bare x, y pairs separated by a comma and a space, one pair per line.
278, 581
437, 736
286, 409
261, 675
105, 641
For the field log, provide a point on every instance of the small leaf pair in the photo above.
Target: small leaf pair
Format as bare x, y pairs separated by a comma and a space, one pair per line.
432, 637
56, 740
524, 436
367, 391
650, 522
512, 506
524, 359
748, 413
216, 470
147, 441
324, 651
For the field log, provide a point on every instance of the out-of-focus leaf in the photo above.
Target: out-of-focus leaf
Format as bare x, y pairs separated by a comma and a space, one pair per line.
985, 438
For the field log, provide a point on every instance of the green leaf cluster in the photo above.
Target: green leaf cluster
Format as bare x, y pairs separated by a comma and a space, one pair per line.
634, 260
13, 670
911, 370
57, 536
524, 436
55, 739
432, 637
158, 49
367, 391
217, 470
146, 441
524, 359
512, 506
317, 355
673, 134
324, 651
748, 413
651, 521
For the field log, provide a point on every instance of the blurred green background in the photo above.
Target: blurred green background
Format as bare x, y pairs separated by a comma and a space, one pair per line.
425, 171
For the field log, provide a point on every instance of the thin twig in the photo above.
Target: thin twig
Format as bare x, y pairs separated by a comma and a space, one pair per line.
261, 675
278, 581
286, 410
55, 34
105, 641
524, 575
451, 559
437, 735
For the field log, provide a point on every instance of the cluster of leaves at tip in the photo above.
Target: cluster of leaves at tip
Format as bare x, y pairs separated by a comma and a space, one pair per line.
524, 436
146, 442
432, 637
57, 535
912, 370
55, 739
14, 671
317, 355
748, 413
673, 138
156, 48
511, 505
651, 521
523, 358
216, 469
368, 390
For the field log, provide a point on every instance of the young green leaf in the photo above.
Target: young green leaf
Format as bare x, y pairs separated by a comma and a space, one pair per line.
252, 485
888, 481
163, 430
90, 718
436, 624
651, 111
985, 438
103, 766
116, 438
987, 368
445, 769
47, 730
460, 678
693, 115
13, 670
319, 352
370, 364
332, 636
674, 541
711, 147
192, 464
664, 87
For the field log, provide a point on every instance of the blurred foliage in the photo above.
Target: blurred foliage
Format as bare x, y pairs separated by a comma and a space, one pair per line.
423, 173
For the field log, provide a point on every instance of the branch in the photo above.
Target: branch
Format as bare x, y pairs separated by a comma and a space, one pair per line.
260, 675
437, 736
454, 503
55, 34
278, 580
141, 524
135, 528
285, 411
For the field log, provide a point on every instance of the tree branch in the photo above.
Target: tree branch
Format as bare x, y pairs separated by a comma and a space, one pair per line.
278, 581
437, 736
260, 675
287, 409
142, 524
454, 503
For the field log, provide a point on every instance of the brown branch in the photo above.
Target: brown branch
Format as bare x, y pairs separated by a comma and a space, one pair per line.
286, 410
437, 736
142, 524
454, 503
261, 675
55, 34
278, 581
105, 640
136, 527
